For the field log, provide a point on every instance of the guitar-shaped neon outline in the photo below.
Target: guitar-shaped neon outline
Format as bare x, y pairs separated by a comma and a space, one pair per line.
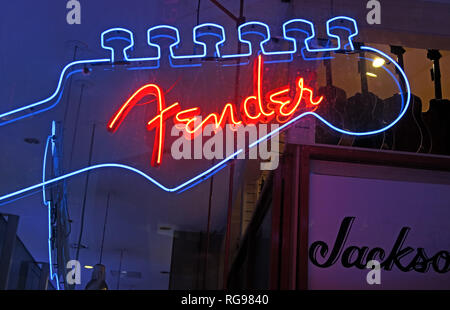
300, 25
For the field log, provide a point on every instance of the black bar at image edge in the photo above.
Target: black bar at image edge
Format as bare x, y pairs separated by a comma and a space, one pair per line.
223, 299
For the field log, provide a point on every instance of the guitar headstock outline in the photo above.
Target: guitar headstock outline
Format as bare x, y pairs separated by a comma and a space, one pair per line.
65, 73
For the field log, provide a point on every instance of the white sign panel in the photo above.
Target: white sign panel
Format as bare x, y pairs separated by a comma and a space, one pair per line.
402, 225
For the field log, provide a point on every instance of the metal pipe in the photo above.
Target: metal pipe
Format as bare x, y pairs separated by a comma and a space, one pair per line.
224, 9
86, 185
104, 228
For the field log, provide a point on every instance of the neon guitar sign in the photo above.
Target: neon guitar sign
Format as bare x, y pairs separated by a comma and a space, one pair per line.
281, 104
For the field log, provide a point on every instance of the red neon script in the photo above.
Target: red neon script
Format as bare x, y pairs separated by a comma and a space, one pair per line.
158, 122
255, 108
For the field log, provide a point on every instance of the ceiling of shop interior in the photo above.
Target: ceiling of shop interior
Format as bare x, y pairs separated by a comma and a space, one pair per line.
35, 44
